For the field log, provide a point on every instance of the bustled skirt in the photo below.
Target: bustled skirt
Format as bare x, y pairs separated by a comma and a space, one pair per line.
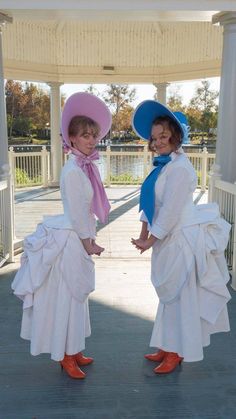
54, 281
189, 273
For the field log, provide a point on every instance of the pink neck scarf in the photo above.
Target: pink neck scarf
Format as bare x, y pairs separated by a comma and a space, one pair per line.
100, 203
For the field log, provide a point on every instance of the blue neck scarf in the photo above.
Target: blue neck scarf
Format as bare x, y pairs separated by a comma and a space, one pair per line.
147, 195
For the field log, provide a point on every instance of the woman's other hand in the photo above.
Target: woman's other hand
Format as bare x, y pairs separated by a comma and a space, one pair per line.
97, 250
92, 248
142, 244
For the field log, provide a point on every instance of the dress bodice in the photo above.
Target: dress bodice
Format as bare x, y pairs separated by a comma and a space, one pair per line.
76, 195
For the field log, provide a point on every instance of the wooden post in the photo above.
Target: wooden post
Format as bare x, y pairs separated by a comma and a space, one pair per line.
44, 165
108, 161
214, 175
204, 169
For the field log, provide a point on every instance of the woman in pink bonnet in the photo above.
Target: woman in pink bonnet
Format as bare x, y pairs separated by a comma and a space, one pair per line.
57, 271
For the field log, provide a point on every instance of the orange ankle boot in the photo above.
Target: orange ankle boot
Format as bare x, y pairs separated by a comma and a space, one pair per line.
82, 360
70, 366
157, 356
170, 362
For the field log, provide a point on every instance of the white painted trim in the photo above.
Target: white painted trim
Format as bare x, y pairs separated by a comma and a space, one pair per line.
113, 15
3, 185
121, 5
69, 74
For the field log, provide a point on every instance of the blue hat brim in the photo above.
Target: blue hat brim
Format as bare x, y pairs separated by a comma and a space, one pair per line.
144, 115
182, 118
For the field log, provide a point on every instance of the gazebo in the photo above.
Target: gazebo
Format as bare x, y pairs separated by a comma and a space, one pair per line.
118, 42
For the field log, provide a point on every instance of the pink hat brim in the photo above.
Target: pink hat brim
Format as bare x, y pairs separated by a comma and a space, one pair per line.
85, 104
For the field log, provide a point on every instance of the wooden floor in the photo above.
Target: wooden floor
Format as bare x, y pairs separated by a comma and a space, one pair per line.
121, 383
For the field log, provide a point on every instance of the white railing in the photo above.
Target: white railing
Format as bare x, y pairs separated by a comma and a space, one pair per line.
6, 217
31, 168
202, 163
3, 223
116, 167
224, 193
125, 167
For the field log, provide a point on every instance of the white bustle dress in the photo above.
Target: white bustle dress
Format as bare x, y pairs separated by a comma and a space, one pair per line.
56, 274
188, 268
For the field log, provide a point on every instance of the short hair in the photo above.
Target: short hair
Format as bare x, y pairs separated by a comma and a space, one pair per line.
176, 134
79, 125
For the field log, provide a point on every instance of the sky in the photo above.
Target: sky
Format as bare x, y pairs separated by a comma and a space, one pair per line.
147, 91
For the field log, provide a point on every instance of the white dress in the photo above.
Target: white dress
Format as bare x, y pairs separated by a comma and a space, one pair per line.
188, 268
57, 275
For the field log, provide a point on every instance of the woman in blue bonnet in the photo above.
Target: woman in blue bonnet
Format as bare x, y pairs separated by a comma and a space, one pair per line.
188, 267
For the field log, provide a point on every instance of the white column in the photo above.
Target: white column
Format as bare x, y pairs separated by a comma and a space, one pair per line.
56, 144
226, 131
3, 117
161, 92
4, 161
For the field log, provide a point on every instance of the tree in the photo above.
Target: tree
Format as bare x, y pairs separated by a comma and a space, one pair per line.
205, 102
37, 106
194, 118
92, 89
119, 97
15, 102
123, 118
175, 101
28, 107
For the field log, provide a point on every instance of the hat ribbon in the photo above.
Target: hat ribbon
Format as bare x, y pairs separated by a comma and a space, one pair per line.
100, 204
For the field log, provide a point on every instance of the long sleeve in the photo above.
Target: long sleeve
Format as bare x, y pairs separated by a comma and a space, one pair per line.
143, 217
78, 202
176, 194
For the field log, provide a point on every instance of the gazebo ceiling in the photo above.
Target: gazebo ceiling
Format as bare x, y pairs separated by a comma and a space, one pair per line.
87, 43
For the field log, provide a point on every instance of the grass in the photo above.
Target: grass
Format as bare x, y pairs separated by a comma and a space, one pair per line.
22, 179
125, 178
